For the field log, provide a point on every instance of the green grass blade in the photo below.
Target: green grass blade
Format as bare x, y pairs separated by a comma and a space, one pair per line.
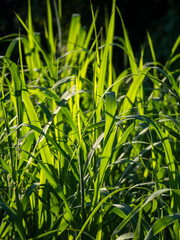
151, 47
58, 20
124, 137
27, 195
136, 210
107, 144
103, 66
48, 175
47, 60
56, 187
95, 210
18, 87
87, 40
75, 27
132, 92
175, 46
11, 47
125, 236
161, 224
96, 35
129, 50
50, 31
14, 216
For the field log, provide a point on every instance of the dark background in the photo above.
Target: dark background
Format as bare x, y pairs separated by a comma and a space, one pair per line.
160, 17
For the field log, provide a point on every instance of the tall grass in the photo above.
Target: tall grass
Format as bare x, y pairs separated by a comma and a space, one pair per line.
84, 153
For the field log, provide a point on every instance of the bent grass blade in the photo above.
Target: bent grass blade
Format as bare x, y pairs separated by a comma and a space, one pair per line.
161, 224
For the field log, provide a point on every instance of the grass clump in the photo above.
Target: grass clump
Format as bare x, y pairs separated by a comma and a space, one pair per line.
84, 153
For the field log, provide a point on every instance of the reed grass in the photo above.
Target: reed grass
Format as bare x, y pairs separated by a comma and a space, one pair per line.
84, 153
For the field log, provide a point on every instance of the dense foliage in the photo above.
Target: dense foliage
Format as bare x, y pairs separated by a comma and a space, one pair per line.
86, 153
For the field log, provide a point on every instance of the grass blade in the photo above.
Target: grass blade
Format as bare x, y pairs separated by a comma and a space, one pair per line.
107, 144
103, 67
161, 224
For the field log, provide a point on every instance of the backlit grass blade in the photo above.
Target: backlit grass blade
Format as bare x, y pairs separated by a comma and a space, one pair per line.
137, 79
6, 166
95, 32
87, 40
103, 66
92, 151
74, 30
100, 225
117, 84
107, 144
4, 227
151, 47
132, 92
46, 156
175, 46
129, 50
27, 195
39, 130
173, 50
78, 108
11, 47
79, 152
18, 87
50, 31
32, 52
124, 137
39, 48
140, 92
31, 42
